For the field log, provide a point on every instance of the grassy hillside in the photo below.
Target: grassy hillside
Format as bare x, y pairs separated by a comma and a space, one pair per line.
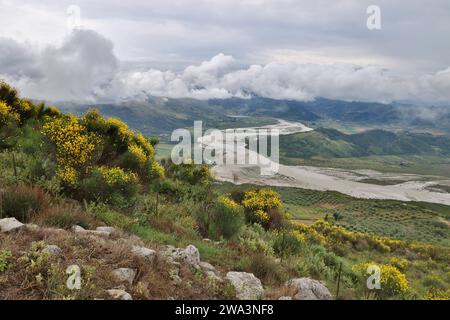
60, 171
325, 142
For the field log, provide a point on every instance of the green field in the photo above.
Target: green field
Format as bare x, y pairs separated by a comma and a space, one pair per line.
415, 221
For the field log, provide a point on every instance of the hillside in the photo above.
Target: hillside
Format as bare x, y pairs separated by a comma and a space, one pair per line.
325, 142
163, 115
88, 191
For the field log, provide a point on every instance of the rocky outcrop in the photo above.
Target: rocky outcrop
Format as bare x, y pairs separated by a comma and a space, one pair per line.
309, 289
118, 294
53, 250
100, 231
124, 275
10, 225
190, 255
143, 252
246, 285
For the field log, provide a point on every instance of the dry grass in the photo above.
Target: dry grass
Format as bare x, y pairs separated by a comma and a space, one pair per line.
97, 257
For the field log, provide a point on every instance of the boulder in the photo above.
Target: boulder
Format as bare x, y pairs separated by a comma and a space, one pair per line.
10, 225
105, 230
126, 275
81, 230
205, 266
246, 285
53, 250
143, 252
118, 294
190, 255
309, 289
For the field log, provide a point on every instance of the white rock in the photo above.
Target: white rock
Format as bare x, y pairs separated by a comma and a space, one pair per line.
78, 229
10, 225
213, 276
125, 275
53, 250
207, 266
143, 252
81, 230
117, 294
247, 286
105, 230
190, 255
285, 298
309, 289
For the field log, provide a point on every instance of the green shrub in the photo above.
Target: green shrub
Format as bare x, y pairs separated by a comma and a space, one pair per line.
254, 238
65, 216
286, 244
109, 185
227, 218
5, 255
266, 269
23, 202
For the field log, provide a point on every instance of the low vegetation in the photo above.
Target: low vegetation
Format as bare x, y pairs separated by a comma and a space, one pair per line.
61, 170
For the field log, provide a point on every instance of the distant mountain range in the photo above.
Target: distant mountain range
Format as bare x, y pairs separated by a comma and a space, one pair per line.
162, 115
332, 143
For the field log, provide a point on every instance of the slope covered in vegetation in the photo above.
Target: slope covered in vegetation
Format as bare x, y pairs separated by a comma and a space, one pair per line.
61, 171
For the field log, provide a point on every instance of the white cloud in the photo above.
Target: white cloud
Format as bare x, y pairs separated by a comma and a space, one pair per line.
79, 69
84, 67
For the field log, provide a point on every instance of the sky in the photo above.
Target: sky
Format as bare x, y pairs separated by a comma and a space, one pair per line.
282, 49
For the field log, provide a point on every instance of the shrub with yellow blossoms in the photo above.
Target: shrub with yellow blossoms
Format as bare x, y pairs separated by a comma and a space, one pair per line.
258, 203
393, 281
7, 114
74, 146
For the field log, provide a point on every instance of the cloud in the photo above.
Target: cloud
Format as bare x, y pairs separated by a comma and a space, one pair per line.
80, 69
84, 68
294, 81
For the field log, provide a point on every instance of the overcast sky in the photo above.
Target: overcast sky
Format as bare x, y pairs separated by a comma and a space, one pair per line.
291, 49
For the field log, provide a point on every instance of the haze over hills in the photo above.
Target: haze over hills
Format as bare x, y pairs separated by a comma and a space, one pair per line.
162, 115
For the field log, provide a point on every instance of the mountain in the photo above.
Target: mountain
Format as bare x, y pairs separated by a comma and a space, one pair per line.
163, 115
326, 142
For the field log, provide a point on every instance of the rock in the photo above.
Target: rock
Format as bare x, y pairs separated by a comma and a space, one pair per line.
190, 255
143, 252
81, 230
285, 298
247, 286
125, 275
106, 230
10, 225
53, 250
309, 289
206, 240
213, 276
207, 266
118, 294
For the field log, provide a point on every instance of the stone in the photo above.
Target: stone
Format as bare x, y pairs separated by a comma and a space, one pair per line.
126, 275
106, 230
143, 252
246, 285
81, 230
118, 294
53, 250
309, 289
205, 266
213, 276
190, 255
285, 298
10, 225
